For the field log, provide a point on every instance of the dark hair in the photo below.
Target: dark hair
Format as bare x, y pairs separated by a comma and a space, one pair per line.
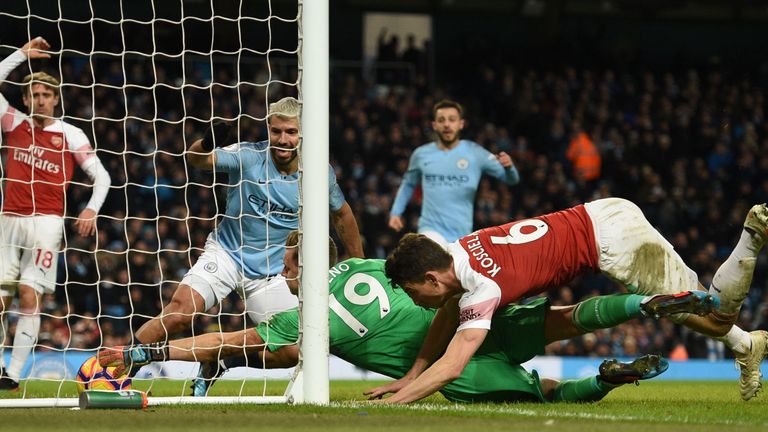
293, 239
447, 103
414, 256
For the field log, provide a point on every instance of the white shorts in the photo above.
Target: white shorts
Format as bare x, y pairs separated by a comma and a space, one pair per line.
29, 252
633, 253
436, 236
216, 274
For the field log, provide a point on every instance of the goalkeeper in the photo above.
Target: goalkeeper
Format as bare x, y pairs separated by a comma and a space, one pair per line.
245, 252
379, 328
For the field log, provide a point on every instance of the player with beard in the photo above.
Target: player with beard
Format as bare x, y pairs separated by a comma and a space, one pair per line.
449, 172
245, 251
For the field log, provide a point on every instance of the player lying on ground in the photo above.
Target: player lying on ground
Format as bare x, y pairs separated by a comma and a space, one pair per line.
42, 151
493, 267
379, 328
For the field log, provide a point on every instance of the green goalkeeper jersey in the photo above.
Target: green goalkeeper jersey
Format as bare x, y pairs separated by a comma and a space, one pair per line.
372, 325
377, 327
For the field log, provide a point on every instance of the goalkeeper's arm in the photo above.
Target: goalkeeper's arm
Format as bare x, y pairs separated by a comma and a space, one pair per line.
135, 355
208, 347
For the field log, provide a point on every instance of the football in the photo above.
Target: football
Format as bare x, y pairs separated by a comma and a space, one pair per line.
91, 376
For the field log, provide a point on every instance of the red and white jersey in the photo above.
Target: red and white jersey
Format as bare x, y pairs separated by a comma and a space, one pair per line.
39, 163
502, 264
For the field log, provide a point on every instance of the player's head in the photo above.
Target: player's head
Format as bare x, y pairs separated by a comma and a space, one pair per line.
447, 121
41, 94
284, 122
291, 260
414, 265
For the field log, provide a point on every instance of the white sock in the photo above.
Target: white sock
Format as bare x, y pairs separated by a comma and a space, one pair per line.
733, 278
737, 340
747, 246
27, 328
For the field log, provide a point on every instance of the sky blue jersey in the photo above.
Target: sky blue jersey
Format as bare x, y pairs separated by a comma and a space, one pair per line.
262, 207
449, 181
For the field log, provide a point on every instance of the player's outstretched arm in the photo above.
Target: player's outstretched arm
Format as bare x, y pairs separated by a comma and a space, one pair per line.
448, 368
124, 357
438, 337
346, 227
210, 347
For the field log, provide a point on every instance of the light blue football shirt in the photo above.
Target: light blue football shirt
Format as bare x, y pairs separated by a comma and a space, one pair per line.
449, 180
262, 207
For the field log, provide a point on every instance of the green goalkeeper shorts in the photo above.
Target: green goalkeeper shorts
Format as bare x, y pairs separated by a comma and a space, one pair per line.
494, 380
494, 373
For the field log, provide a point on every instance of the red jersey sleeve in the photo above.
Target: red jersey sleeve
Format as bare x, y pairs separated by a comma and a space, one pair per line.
481, 297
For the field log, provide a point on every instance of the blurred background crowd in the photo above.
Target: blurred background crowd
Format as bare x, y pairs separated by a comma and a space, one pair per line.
687, 142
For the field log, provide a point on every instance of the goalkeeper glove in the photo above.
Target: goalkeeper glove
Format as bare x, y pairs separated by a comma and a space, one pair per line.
139, 355
218, 135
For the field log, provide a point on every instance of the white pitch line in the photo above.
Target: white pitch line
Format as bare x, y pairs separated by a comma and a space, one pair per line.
551, 413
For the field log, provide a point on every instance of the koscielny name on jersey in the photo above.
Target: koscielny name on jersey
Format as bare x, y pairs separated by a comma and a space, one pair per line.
478, 252
32, 157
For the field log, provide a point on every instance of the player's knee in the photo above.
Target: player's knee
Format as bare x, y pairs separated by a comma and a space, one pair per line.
29, 299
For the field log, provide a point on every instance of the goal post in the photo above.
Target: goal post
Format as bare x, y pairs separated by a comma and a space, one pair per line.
133, 77
314, 70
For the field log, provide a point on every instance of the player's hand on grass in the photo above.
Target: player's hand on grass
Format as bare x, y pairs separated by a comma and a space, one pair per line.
393, 387
379, 401
219, 134
396, 223
34, 48
86, 222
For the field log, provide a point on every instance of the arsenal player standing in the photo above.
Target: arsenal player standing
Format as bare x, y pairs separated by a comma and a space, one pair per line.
41, 151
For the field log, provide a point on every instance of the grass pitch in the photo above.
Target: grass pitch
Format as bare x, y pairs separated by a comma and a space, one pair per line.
652, 406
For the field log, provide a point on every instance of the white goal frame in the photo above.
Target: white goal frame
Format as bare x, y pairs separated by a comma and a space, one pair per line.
311, 380
310, 383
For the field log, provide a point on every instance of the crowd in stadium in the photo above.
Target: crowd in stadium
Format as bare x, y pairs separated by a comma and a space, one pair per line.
689, 146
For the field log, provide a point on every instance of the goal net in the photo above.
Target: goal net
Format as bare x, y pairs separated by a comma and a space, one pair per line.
143, 80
